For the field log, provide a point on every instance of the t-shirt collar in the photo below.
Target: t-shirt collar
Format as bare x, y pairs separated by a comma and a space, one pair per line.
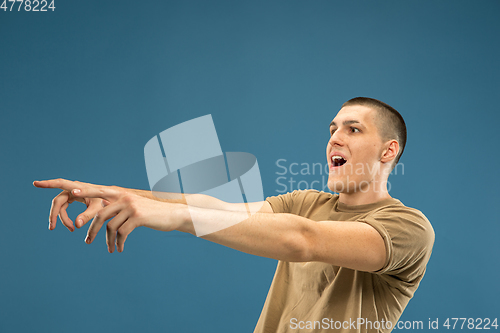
342, 207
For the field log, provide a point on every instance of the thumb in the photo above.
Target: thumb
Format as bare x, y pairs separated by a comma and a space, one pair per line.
87, 215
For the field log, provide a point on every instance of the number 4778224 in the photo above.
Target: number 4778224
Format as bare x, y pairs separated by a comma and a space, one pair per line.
29, 5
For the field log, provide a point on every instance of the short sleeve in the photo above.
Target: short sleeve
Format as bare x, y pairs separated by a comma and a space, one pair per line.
408, 238
282, 203
298, 202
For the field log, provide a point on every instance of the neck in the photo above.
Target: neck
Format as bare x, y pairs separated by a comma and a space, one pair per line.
365, 196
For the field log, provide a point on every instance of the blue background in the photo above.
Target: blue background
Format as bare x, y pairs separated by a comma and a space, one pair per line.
83, 88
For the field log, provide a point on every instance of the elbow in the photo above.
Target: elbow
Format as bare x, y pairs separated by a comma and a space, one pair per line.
299, 247
375, 262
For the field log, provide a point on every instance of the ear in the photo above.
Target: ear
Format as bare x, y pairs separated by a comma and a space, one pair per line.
390, 152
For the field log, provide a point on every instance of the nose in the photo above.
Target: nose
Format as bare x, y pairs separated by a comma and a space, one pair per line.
336, 139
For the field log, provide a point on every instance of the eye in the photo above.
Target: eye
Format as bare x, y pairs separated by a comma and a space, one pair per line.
355, 130
332, 131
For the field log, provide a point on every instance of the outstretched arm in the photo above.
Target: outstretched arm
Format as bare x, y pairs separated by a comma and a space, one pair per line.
286, 237
61, 202
289, 237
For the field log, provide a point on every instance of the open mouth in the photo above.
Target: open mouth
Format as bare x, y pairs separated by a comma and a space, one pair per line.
338, 161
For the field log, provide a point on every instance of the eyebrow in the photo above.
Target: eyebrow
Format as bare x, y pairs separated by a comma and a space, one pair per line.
345, 123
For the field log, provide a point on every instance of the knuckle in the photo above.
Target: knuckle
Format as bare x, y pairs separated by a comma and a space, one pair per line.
135, 211
118, 189
57, 198
97, 218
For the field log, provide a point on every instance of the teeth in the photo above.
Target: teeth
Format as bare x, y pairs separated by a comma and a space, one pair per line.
338, 160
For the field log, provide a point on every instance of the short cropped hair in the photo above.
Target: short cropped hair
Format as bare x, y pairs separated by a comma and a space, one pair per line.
391, 124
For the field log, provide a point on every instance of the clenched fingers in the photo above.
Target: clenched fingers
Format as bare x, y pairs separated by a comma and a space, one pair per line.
122, 234
63, 216
55, 210
102, 215
111, 229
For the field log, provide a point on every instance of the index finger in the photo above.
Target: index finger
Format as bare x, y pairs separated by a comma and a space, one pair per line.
63, 184
86, 190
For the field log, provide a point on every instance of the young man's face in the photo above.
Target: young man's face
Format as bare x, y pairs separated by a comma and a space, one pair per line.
354, 150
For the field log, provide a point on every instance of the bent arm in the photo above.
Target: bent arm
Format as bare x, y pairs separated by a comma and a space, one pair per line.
293, 238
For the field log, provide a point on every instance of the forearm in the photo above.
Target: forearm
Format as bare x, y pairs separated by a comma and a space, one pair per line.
159, 196
196, 200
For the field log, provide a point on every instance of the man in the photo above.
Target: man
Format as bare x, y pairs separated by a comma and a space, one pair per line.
348, 262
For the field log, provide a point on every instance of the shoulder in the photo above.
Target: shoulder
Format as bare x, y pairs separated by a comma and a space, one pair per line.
400, 217
408, 235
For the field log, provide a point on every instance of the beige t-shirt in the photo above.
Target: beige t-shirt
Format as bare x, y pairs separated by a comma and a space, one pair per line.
320, 297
